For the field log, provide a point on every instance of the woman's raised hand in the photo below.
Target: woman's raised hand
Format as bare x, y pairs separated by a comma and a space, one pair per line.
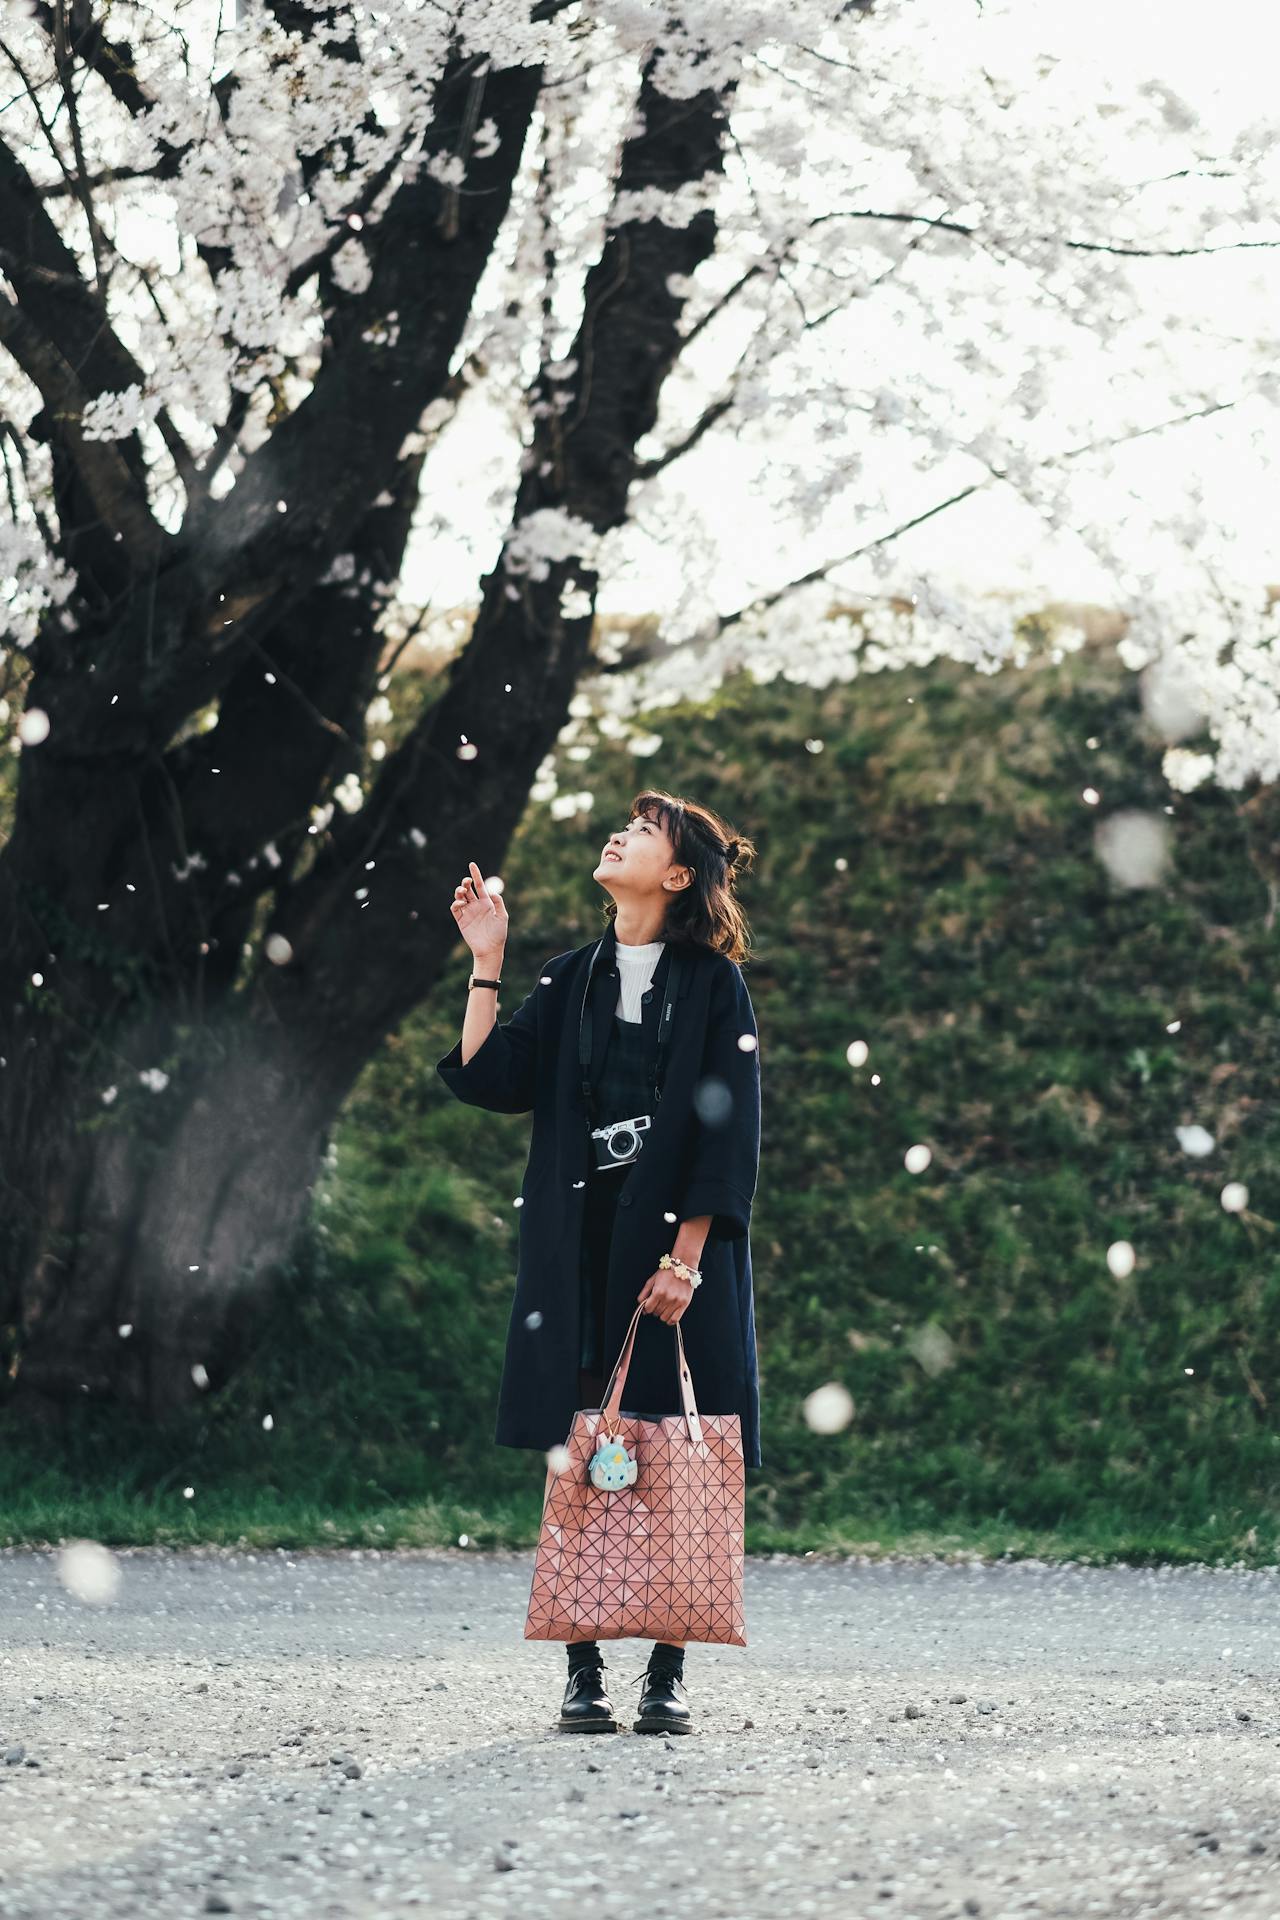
480, 915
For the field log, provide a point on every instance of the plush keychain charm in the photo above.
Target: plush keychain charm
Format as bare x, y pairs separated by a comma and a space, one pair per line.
611, 1467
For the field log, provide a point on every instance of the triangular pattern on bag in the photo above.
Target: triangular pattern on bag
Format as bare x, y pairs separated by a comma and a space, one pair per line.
659, 1560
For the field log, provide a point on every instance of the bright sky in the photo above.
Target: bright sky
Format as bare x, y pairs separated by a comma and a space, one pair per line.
1227, 74
991, 541
733, 539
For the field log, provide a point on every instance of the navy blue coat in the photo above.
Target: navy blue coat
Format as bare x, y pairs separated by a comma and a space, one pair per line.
686, 1167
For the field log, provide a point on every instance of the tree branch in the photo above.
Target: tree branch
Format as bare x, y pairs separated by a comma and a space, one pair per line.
112, 487
342, 442
524, 638
60, 334
967, 232
299, 275
113, 62
648, 469
62, 63
827, 567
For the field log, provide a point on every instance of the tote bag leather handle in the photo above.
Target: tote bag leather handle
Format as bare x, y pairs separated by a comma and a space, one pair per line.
618, 1380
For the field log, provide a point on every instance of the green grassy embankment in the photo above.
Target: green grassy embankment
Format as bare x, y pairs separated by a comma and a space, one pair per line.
1010, 1395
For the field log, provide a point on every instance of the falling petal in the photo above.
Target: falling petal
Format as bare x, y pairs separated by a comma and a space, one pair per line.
1134, 847
1120, 1259
1194, 1140
828, 1409
1170, 702
713, 1101
933, 1348
88, 1572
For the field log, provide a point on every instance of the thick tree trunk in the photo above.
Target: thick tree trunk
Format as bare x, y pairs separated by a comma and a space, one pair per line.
167, 1209
137, 867
169, 1222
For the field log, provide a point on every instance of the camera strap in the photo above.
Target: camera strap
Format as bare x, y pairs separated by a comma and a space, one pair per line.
657, 1071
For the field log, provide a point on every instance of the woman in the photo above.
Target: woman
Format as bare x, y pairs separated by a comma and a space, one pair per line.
682, 1179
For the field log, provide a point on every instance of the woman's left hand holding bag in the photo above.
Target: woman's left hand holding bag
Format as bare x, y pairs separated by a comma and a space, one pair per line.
665, 1294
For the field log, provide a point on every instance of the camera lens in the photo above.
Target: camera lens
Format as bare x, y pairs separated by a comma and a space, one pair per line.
622, 1143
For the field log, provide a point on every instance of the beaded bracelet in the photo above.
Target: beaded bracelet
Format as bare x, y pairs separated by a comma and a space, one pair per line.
682, 1267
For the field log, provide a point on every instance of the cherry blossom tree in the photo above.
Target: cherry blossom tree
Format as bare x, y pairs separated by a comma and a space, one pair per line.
253, 277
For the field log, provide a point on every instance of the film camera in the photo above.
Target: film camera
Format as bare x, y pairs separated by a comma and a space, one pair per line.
619, 1144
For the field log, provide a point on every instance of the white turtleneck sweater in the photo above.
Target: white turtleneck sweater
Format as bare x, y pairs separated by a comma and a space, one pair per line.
635, 971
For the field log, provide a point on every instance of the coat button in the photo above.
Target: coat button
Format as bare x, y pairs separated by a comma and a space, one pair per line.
624, 1199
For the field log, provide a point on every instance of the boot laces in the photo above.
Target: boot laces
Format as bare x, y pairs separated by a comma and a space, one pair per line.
657, 1673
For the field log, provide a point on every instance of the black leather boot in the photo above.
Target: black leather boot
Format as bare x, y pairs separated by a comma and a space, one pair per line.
586, 1707
664, 1704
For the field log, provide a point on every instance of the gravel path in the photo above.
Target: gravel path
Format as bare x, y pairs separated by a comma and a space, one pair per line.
347, 1734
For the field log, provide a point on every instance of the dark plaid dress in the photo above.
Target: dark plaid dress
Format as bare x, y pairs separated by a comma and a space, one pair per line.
622, 1092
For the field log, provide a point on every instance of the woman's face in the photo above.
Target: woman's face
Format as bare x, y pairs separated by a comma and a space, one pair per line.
645, 859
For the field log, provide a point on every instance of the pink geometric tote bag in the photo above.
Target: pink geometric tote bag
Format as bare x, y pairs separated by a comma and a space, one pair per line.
648, 1543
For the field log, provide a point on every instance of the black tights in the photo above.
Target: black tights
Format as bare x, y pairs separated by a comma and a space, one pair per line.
586, 1653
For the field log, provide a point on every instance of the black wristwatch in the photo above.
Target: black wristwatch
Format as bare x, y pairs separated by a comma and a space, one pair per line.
473, 982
